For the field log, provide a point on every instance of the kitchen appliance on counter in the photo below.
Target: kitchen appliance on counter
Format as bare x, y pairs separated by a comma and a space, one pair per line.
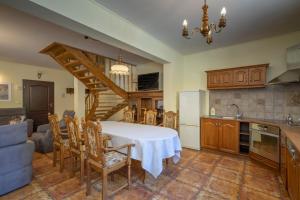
264, 143
191, 107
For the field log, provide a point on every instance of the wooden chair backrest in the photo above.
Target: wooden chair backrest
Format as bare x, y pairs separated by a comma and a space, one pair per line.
54, 124
94, 141
73, 131
129, 116
170, 120
150, 117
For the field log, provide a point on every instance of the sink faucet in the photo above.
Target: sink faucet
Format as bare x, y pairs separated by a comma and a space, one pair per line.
238, 114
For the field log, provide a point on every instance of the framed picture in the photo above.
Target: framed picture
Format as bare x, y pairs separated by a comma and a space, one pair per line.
5, 91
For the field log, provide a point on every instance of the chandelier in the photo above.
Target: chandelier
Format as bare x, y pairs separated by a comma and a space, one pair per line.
119, 67
206, 28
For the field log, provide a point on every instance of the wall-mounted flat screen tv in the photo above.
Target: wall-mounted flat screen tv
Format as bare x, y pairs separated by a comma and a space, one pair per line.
148, 81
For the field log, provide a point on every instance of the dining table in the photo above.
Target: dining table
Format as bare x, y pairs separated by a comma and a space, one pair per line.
152, 144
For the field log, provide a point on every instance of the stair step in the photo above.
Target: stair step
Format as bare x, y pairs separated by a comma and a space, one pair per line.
63, 55
98, 89
96, 83
87, 77
72, 64
80, 70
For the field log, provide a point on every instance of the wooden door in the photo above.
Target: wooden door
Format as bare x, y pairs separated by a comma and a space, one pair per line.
226, 77
240, 77
38, 100
213, 79
209, 133
292, 177
229, 136
257, 75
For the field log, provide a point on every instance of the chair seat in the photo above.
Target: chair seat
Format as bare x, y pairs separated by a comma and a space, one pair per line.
113, 157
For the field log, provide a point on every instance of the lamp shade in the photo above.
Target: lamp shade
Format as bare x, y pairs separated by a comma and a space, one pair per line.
119, 69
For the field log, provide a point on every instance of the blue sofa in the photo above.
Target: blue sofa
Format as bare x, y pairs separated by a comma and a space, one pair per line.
15, 157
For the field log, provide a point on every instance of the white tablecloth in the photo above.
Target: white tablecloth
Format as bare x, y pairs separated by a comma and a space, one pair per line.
152, 143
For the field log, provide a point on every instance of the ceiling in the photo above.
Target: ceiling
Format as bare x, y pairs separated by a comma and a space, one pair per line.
246, 19
22, 36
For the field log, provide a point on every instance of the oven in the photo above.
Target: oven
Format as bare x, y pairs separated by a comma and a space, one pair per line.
265, 141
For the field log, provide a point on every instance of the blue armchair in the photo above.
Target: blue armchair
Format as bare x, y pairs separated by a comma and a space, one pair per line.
15, 156
43, 136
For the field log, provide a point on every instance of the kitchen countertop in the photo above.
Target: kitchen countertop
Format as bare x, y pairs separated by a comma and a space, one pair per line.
291, 132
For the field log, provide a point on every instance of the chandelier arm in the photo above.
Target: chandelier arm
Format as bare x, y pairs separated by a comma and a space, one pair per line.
215, 28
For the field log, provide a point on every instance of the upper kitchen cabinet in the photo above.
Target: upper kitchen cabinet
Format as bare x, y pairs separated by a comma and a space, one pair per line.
240, 77
213, 79
257, 75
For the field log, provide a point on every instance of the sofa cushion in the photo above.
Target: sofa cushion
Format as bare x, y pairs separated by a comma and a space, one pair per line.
16, 157
15, 179
13, 134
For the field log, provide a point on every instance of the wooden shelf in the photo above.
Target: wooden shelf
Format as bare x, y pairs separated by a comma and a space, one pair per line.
244, 144
244, 133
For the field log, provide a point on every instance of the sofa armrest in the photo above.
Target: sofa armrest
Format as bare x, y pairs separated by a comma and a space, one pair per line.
43, 128
29, 127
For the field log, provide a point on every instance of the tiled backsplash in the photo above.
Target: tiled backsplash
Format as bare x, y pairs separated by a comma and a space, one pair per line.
272, 102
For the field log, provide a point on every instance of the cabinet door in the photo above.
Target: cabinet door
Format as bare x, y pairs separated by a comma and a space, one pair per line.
229, 136
240, 77
292, 177
209, 133
257, 75
213, 79
226, 77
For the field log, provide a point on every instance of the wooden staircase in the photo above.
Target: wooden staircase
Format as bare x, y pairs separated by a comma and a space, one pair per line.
105, 97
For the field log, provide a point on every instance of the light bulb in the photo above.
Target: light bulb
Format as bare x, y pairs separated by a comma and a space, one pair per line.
185, 23
223, 11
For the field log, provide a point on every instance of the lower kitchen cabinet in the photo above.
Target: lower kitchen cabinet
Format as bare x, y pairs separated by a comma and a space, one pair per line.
293, 176
210, 133
220, 134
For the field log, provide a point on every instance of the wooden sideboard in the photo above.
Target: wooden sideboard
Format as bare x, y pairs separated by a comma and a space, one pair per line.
146, 100
240, 77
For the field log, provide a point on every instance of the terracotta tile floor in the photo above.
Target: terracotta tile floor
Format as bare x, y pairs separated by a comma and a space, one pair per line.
199, 175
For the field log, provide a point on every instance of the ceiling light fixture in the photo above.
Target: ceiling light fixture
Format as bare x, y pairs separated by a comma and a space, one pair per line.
205, 29
119, 67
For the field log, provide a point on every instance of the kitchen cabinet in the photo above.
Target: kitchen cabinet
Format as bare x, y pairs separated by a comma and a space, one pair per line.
239, 77
220, 134
293, 177
257, 75
210, 133
226, 77
213, 80
229, 136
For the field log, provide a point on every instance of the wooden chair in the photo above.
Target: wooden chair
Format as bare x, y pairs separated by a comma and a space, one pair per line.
170, 120
104, 160
129, 116
59, 143
150, 117
77, 148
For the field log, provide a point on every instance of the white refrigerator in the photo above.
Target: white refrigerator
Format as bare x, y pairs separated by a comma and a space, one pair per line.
191, 107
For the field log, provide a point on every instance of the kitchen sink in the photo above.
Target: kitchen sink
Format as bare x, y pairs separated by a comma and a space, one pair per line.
228, 117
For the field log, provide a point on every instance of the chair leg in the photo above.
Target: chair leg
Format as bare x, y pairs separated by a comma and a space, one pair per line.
129, 176
54, 155
81, 168
73, 162
88, 179
144, 176
104, 185
62, 153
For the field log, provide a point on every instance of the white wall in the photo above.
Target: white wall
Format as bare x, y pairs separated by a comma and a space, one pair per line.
269, 50
15, 73
151, 67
